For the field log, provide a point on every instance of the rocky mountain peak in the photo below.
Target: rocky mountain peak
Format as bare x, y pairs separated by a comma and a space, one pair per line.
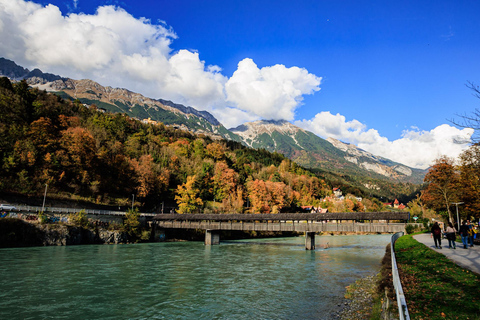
250, 130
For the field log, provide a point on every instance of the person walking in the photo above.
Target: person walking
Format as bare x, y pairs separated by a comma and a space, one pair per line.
451, 236
464, 233
437, 235
470, 233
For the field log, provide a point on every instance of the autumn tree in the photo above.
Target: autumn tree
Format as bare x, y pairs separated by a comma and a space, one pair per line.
145, 175
259, 196
268, 196
233, 203
417, 208
442, 181
224, 180
187, 196
131, 223
215, 150
469, 169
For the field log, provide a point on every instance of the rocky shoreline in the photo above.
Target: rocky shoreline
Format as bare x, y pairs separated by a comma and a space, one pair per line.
360, 299
18, 233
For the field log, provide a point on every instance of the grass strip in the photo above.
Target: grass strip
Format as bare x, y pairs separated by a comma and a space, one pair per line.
434, 286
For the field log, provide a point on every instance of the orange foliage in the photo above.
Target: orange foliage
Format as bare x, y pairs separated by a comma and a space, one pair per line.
215, 150
144, 174
442, 188
266, 195
224, 180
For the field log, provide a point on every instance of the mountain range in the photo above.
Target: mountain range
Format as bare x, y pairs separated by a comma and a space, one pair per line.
304, 147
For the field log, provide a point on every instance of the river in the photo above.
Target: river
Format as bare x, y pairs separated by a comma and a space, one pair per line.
248, 279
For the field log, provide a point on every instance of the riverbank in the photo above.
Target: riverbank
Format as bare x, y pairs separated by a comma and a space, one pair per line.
371, 297
18, 233
359, 299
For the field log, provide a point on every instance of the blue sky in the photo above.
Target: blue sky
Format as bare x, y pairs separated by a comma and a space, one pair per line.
386, 76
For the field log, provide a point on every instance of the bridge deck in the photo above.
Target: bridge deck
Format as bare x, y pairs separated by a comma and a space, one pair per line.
285, 226
388, 216
295, 222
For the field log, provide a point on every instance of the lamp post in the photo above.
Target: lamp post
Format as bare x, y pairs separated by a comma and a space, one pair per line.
133, 200
458, 219
44, 197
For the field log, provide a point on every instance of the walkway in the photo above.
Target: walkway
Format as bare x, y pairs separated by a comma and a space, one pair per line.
466, 258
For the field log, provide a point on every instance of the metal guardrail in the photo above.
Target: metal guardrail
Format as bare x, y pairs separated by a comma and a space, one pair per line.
75, 210
401, 301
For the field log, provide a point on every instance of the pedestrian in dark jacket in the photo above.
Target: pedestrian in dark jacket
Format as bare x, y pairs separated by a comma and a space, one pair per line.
451, 236
437, 235
464, 233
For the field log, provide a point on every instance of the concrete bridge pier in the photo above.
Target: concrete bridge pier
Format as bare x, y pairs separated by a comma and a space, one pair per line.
212, 237
158, 233
309, 240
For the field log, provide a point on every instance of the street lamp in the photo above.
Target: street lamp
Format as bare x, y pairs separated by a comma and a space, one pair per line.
133, 200
44, 196
458, 219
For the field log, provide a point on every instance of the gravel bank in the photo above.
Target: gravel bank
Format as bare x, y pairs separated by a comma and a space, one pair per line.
359, 299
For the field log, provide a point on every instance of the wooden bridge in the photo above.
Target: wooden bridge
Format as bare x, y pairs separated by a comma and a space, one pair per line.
310, 223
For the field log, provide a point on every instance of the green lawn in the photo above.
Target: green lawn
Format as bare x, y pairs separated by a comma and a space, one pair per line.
435, 287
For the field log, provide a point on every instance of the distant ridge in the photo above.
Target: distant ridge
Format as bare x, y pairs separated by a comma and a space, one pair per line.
309, 150
302, 146
120, 100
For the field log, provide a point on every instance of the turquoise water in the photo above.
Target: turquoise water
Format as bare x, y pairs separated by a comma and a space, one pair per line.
248, 279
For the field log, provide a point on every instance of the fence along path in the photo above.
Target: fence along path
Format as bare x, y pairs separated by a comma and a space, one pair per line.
35, 209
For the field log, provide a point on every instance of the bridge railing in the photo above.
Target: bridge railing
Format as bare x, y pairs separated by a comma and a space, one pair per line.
387, 216
401, 301
75, 210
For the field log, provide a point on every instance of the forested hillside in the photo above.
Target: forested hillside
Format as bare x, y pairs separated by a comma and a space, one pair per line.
82, 153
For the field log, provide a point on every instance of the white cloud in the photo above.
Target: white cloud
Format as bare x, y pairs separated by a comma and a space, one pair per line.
116, 49
119, 50
415, 148
271, 92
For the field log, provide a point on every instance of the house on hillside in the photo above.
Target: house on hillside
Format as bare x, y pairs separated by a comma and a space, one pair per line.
396, 204
337, 192
313, 209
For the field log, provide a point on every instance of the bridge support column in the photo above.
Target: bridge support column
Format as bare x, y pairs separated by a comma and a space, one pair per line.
212, 237
158, 233
309, 240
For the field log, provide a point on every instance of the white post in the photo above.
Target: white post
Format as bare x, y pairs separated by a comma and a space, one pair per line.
44, 196
458, 219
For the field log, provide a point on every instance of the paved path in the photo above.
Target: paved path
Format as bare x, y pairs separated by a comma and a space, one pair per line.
466, 258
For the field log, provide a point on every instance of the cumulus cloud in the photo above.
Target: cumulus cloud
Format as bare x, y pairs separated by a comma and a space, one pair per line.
416, 148
270, 92
119, 50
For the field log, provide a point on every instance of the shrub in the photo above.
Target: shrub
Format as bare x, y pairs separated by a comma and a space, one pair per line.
145, 235
42, 217
131, 224
79, 219
409, 229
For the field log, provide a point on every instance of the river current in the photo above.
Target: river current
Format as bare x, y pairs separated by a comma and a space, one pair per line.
248, 279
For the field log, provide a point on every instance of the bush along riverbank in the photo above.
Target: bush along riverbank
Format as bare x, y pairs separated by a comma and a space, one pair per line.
434, 286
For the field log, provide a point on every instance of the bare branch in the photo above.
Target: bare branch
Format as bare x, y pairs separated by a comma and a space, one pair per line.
471, 120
